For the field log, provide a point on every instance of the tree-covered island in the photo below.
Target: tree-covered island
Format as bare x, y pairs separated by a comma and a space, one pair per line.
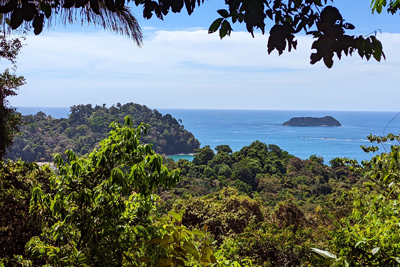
312, 121
42, 136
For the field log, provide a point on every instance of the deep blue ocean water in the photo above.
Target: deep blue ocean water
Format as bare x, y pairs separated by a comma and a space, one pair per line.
238, 128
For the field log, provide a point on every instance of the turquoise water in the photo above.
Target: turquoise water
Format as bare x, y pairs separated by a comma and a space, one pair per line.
55, 112
238, 128
181, 156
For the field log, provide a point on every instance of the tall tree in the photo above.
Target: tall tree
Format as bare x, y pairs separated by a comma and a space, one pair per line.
9, 83
9, 118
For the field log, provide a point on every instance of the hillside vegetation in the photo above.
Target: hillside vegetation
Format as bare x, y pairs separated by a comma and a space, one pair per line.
41, 135
124, 205
265, 172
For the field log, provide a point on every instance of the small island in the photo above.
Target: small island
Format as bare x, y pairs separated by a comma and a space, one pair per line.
311, 121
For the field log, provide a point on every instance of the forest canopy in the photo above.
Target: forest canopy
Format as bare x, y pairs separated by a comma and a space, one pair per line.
259, 206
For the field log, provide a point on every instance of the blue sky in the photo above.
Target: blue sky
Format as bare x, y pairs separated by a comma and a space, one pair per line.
181, 66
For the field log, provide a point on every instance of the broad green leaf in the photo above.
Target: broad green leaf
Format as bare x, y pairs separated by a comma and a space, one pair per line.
164, 262
213, 259
198, 233
46, 9
145, 259
177, 216
167, 239
223, 32
191, 249
155, 241
205, 259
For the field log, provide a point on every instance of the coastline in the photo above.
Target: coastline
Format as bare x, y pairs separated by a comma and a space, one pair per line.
177, 157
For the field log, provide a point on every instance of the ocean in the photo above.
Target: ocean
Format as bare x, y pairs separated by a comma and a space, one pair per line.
238, 128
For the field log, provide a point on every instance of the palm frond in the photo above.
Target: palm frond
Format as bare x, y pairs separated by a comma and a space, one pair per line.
119, 21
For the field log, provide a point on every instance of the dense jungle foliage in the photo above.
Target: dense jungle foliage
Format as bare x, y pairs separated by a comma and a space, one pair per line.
263, 172
42, 136
259, 206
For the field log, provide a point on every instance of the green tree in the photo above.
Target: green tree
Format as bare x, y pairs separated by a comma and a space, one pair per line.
9, 118
223, 148
17, 226
86, 126
101, 204
203, 155
99, 211
9, 83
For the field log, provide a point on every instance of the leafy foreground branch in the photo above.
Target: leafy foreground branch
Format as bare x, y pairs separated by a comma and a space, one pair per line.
92, 217
369, 236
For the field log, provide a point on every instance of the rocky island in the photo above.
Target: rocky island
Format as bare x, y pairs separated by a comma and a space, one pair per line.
311, 121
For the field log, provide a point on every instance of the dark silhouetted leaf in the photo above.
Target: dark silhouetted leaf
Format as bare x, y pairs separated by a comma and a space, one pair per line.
10, 6
68, 3
29, 11
328, 60
46, 9
119, 4
315, 57
177, 5
318, 2
226, 29
94, 5
80, 3
16, 18
269, 14
110, 5
349, 26
190, 5
223, 12
223, 31
38, 24
215, 25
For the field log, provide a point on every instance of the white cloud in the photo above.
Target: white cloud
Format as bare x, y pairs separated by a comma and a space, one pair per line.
192, 69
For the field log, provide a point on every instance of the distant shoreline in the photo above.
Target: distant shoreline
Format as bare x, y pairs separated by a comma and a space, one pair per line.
177, 157
63, 112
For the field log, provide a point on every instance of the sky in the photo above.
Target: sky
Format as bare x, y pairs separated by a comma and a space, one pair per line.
180, 65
